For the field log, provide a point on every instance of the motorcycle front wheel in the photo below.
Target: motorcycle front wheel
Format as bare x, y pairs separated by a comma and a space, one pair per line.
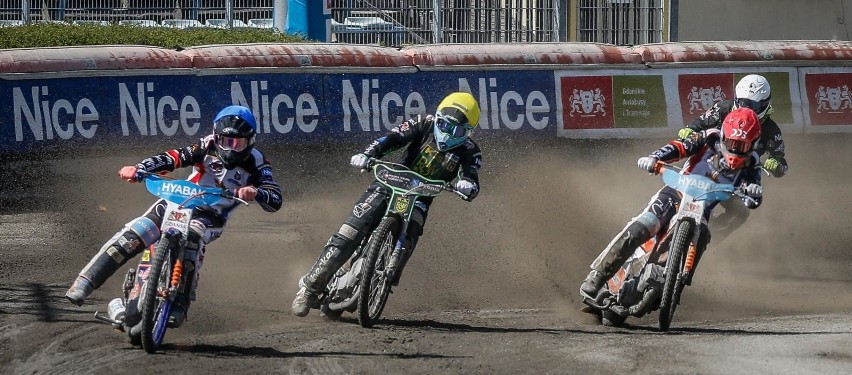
375, 283
674, 267
156, 306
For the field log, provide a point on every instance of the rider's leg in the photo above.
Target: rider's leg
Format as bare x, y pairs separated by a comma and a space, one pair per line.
204, 228
365, 214
124, 245
735, 215
635, 233
415, 230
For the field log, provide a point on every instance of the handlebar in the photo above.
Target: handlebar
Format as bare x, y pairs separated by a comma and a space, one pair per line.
224, 193
446, 186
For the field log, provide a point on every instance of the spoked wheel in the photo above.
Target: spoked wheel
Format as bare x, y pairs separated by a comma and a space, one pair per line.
375, 283
674, 267
157, 305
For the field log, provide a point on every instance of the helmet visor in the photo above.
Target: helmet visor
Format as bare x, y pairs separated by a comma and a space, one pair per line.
754, 105
736, 146
451, 128
231, 143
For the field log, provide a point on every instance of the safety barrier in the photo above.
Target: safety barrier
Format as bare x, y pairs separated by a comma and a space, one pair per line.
339, 92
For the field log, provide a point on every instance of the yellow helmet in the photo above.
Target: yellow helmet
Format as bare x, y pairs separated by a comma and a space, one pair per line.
455, 119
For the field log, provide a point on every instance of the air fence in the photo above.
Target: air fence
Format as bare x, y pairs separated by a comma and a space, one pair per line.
329, 93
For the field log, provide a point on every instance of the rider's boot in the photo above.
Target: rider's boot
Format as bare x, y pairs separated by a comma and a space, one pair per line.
191, 269
616, 253
180, 308
313, 283
123, 246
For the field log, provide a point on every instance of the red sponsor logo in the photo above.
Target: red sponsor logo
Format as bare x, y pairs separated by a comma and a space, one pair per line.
587, 102
829, 97
700, 92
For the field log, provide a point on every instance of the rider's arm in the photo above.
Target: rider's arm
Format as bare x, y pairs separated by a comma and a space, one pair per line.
172, 159
712, 118
770, 136
751, 175
396, 138
268, 191
682, 148
471, 162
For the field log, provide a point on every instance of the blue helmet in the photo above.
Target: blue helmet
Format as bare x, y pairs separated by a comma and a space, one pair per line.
234, 130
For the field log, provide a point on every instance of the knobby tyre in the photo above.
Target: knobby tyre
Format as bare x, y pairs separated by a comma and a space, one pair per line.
674, 267
375, 285
155, 309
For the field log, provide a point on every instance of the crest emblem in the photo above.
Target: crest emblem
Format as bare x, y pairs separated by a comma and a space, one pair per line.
701, 99
587, 103
833, 99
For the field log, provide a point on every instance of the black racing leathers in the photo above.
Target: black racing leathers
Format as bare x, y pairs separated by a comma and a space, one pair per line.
422, 156
770, 141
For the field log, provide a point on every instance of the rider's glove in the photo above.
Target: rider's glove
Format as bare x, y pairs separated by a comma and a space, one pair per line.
753, 190
466, 187
360, 161
775, 166
684, 133
647, 163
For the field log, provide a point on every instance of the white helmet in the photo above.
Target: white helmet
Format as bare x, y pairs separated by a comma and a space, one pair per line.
753, 92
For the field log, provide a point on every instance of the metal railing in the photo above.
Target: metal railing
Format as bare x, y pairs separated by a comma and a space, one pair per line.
170, 13
622, 22
398, 22
383, 22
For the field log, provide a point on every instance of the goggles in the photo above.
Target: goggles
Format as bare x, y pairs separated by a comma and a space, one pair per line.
231, 143
754, 105
451, 128
735, 146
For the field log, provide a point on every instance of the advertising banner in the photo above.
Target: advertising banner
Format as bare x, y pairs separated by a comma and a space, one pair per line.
290, 108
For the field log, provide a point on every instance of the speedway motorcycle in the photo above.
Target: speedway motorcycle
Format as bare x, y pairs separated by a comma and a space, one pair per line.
364, 283
151, 288
627, 293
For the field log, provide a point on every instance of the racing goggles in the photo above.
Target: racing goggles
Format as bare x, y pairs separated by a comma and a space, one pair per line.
452, 128
232, 143
754, 105
736, 146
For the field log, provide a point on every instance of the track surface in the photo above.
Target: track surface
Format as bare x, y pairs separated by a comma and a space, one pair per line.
491, 288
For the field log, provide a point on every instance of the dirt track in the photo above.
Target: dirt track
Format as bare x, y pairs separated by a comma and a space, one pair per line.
491, 288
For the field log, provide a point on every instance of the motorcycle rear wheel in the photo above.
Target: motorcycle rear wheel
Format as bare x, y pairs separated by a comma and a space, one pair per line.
155, 310
674, 267
375, 284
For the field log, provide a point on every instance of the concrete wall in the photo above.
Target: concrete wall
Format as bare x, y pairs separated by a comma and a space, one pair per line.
764, 20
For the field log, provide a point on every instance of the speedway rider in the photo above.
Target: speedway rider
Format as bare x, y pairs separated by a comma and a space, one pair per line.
227, 158
438, 147
724, 155
752, 91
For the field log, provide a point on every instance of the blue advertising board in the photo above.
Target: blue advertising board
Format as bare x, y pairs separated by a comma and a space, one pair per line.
290, 108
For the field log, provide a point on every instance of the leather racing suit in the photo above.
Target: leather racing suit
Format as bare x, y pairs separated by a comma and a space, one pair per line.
208, 221
770, 140
704, 155
422, 156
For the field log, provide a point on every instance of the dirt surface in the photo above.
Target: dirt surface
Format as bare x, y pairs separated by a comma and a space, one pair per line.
492, 287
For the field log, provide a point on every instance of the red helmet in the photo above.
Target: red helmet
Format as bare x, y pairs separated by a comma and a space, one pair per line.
740, 130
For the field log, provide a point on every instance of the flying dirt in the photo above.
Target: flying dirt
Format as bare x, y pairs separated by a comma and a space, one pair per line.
491, 288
